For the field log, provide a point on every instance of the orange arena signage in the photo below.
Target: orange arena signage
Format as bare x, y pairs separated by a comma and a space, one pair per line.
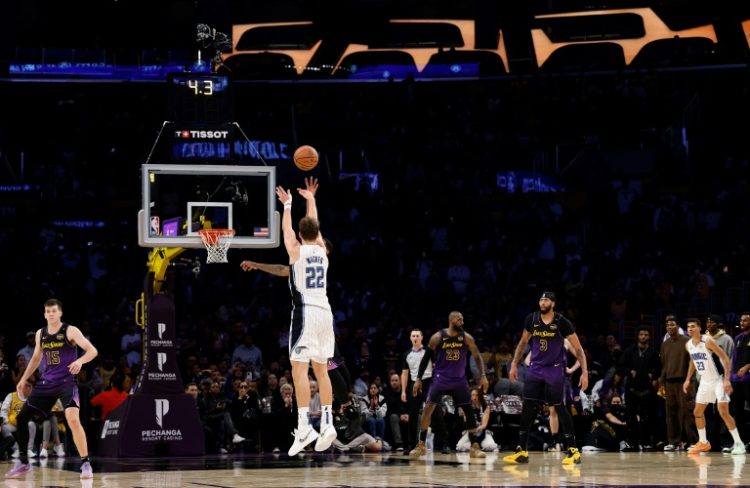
654, 29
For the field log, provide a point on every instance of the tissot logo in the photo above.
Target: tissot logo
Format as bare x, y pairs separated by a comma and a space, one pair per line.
162, 408
201, 134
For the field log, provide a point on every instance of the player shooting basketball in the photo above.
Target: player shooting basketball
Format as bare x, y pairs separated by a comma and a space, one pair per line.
337, 369
311, 338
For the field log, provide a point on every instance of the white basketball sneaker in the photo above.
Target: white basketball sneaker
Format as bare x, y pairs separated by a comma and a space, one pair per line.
302, 437
326, 438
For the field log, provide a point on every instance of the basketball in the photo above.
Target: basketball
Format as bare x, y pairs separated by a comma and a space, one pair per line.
306, 158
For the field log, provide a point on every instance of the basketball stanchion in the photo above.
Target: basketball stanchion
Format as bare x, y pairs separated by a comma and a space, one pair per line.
217, 242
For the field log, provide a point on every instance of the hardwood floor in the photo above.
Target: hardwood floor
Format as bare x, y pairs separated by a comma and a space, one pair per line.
393, 470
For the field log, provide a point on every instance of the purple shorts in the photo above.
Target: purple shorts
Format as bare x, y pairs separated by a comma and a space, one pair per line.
544, 384
458, 389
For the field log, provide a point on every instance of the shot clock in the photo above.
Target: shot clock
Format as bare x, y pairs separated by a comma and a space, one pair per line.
201, 114
199, 98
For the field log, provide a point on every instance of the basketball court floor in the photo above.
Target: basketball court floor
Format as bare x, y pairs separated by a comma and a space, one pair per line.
394, 470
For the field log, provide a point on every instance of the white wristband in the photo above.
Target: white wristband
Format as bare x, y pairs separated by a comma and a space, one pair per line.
288, 206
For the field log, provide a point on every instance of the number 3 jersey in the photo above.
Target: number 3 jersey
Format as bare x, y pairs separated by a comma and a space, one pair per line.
57, 354
307, 278
548, 340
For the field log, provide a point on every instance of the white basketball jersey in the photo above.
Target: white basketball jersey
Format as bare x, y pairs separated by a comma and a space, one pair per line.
307, 278
703, 360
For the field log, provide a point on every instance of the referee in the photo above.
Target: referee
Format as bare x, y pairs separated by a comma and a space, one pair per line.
410, 367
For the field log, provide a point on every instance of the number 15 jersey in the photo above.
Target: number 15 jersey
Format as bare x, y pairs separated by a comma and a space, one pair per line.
57, 354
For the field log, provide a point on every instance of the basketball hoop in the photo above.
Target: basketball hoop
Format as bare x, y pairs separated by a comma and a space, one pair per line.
217, 242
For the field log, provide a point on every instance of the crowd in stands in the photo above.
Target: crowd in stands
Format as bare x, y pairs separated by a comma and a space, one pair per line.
623, 245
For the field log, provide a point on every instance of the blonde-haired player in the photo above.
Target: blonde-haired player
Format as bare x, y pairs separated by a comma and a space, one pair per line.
713, 387
311, 338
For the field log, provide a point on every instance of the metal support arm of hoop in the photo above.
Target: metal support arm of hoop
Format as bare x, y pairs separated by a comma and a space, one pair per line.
158, 262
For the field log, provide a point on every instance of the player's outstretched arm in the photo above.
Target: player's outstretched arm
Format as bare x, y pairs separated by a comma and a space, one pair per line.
311, 188
290, 239
308, 194
274, 269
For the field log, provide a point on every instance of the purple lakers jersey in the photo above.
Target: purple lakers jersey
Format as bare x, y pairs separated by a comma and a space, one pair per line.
548, 340
450, 357
57, 354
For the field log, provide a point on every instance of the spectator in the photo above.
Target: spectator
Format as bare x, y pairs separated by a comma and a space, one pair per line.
111, 398
28, 350
640, 363
249, 355
375, 409
675, 361
51, 429
12, 406
216, 408
284, 419
481, 412
130, 345
350, 434
315, 407
397, 412
245, 412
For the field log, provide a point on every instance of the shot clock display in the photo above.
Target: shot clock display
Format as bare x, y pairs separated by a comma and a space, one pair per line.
199, 98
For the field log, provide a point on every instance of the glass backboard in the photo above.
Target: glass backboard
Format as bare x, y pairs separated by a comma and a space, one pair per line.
179, 200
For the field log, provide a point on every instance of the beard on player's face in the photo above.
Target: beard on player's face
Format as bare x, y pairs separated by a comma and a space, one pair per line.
545, 308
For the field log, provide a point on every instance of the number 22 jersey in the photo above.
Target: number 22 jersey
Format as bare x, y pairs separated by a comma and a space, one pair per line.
308, 277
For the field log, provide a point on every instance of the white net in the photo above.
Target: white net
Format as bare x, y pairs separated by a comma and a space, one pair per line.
217, 242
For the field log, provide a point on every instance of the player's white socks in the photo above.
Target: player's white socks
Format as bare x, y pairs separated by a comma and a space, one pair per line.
303, 417
702, 435
326, 417
736, 436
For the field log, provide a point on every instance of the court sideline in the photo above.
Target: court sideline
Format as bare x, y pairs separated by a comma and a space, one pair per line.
393, 470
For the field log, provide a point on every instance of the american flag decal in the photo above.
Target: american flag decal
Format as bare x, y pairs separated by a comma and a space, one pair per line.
260, 232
